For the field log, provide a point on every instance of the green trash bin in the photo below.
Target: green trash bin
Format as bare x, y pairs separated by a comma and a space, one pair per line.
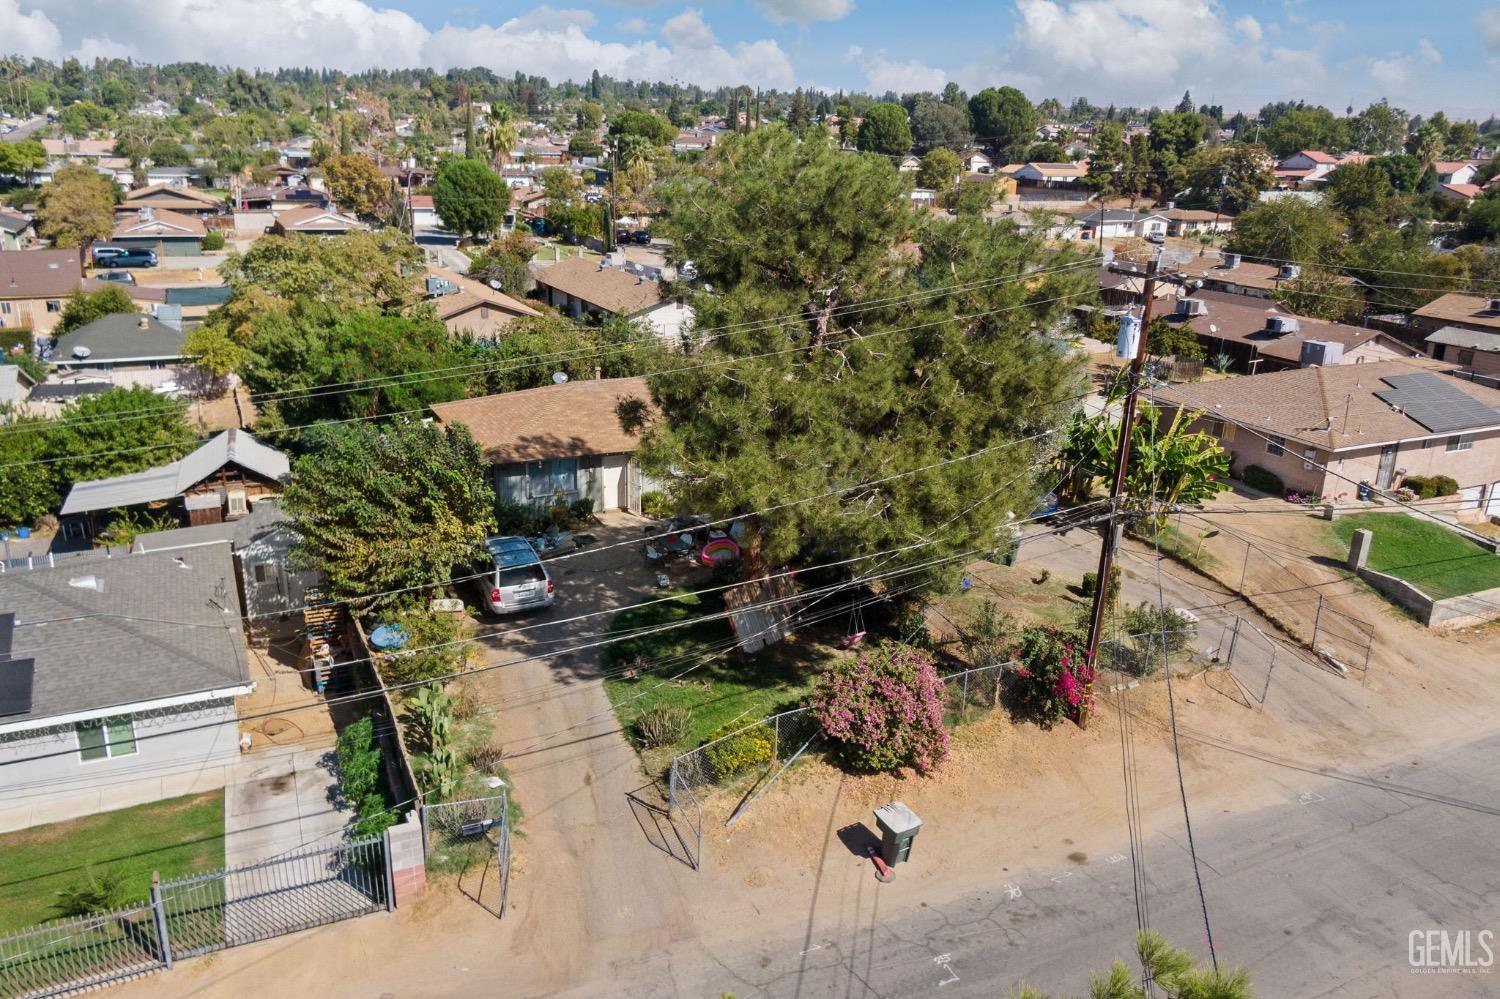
898, 826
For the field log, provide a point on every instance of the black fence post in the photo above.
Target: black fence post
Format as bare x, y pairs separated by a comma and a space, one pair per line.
159, 914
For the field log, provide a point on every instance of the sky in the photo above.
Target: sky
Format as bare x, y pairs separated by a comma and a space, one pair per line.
1437, 54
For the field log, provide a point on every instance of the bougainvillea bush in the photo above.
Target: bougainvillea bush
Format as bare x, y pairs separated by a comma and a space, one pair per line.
884, 710
1054, 680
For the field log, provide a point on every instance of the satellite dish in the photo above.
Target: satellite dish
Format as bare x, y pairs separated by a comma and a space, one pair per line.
494, 284
81, 352
1212, 328
558, 377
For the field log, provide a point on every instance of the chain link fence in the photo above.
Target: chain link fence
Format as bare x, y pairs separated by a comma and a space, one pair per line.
465, 837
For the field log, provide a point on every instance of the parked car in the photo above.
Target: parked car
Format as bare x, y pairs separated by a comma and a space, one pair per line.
641, 237
119, 277
512, 577
1155, 237
119, 256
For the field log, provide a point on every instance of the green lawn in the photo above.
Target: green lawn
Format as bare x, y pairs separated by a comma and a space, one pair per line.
725, 688
1424, 553
178, 837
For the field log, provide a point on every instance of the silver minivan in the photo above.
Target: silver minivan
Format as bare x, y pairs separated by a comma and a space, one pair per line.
514, 578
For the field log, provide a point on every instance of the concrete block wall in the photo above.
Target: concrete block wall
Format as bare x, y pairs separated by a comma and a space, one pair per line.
406, 854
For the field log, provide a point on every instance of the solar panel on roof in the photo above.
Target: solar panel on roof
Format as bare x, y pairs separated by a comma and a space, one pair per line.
1437, 404
15, 686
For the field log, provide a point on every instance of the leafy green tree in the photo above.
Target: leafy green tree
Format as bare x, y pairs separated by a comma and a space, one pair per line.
616, 348
1321, 293
1378, 129
77, 207
653, 127
1227, 178
1403, 169
470, 198
119, 432
590, 116
363, 270
81, 118
884, 130
1288, 229
1165, 338
1045, 152
1108, 157
215, 351
1305, 128
1363, 193
169, 152
940, 169
83, 307
506, 261
938, 124
389, 507
29, 487
781, 228
1483, 220
20, 158
357, 184
1177, 974
1003, 119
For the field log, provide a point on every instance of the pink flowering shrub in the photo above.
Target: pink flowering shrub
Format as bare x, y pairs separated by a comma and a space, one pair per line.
884, 710
1054, 680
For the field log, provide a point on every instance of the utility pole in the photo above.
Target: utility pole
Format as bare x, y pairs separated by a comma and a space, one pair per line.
1122, 462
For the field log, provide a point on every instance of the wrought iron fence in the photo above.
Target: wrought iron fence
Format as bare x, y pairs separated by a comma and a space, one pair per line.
197, 915
464, 835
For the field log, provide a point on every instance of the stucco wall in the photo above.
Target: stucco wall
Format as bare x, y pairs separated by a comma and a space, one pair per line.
178, 751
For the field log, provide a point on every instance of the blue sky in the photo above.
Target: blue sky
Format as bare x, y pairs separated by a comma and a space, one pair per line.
1240, 53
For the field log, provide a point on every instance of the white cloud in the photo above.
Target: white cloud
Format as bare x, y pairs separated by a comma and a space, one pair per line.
909, 77
633, 26
1488, 23
853, 53
689, 30
354, 35
806, 11
1403, 69
1249, 27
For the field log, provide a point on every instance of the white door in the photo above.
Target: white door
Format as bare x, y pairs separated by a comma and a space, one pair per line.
612, 473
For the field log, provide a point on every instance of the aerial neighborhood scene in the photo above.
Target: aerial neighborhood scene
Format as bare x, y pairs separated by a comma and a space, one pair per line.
804, 499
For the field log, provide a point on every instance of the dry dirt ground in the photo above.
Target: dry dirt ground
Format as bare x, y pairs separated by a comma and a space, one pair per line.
601, 899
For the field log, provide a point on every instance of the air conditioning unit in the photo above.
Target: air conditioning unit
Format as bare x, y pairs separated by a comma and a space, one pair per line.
1281, 325
1192, 307
239, 505
1322, 353
1288, 272
1231, 261
437, 286
1495, 305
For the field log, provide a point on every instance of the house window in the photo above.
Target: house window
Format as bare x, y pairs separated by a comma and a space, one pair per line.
4, 308
264, 573
1309, 458
1466, 357
1462, 442
105, 738
1276, 446
547, 478
53, 305
1215, 427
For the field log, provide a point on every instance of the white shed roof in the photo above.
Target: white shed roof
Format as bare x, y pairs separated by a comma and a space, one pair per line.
167, 481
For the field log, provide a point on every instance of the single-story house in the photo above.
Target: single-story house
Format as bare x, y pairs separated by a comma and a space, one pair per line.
120, 678
1463, 330
472, 308
315, 222
909, 164
170, 198
1473, 350
1192, 221
695, 140
975, 161
34, 285
1051, 174
169, 233
582, 287
123, 348
173, 176
1460, 192
1228, 273
423, 214
269, 584
1260, 336
78, 150
1306, 167
555, 439
1455, 171
1377, 422
1116, 223
16, 231
1117, 289
220, 481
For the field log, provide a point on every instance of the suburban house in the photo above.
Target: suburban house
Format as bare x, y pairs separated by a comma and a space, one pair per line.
72, 150
172, 176
1228, 273
1306, 167
1196, 221
1051, 174
1378, 423
1462, 330
471, 308
1128, 290
909, 164
1260, 336
1116, 223
121, 679
33, 286
123, 348
974, 161
423, 214
695, 140
315, 222
269, 584
220, 481
16, 231
555, 439
1455, 171
168, 233
170, 198
581, 287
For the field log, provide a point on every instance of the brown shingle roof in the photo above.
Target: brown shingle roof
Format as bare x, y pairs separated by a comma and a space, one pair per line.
39, 273
472, 293
1462, 310
1308, 404
609, 288
162, 223
158, 194
572, 420
1243, 320
317, 220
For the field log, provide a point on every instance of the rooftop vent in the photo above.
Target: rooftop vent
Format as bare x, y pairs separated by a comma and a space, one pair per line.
143, 323
87, 583
1192, 307
1281, 325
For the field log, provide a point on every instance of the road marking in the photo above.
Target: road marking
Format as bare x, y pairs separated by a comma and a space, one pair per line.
1309, 797
809, 950
1057, 878
1115, 858
945, 960
1012, 892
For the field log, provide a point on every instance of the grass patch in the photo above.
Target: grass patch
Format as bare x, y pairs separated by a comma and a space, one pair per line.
1426, 554
725, 688
178, 837
14, 337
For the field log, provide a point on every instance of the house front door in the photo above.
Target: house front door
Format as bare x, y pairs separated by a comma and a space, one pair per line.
1387, 471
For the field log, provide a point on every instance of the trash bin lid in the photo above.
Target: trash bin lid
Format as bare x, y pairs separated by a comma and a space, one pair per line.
897, 818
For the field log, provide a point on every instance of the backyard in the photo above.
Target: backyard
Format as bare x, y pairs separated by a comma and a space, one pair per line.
1426, 554
178, 837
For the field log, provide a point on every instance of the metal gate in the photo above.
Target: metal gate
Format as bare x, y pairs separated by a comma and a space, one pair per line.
463, 837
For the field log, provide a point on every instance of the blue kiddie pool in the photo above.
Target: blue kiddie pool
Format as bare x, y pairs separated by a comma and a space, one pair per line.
389, 636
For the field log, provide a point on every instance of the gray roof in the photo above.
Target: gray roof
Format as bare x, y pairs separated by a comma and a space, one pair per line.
13, 384
1454, 336
162, 625
264, 517
11, 222
167, 481
121, 337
